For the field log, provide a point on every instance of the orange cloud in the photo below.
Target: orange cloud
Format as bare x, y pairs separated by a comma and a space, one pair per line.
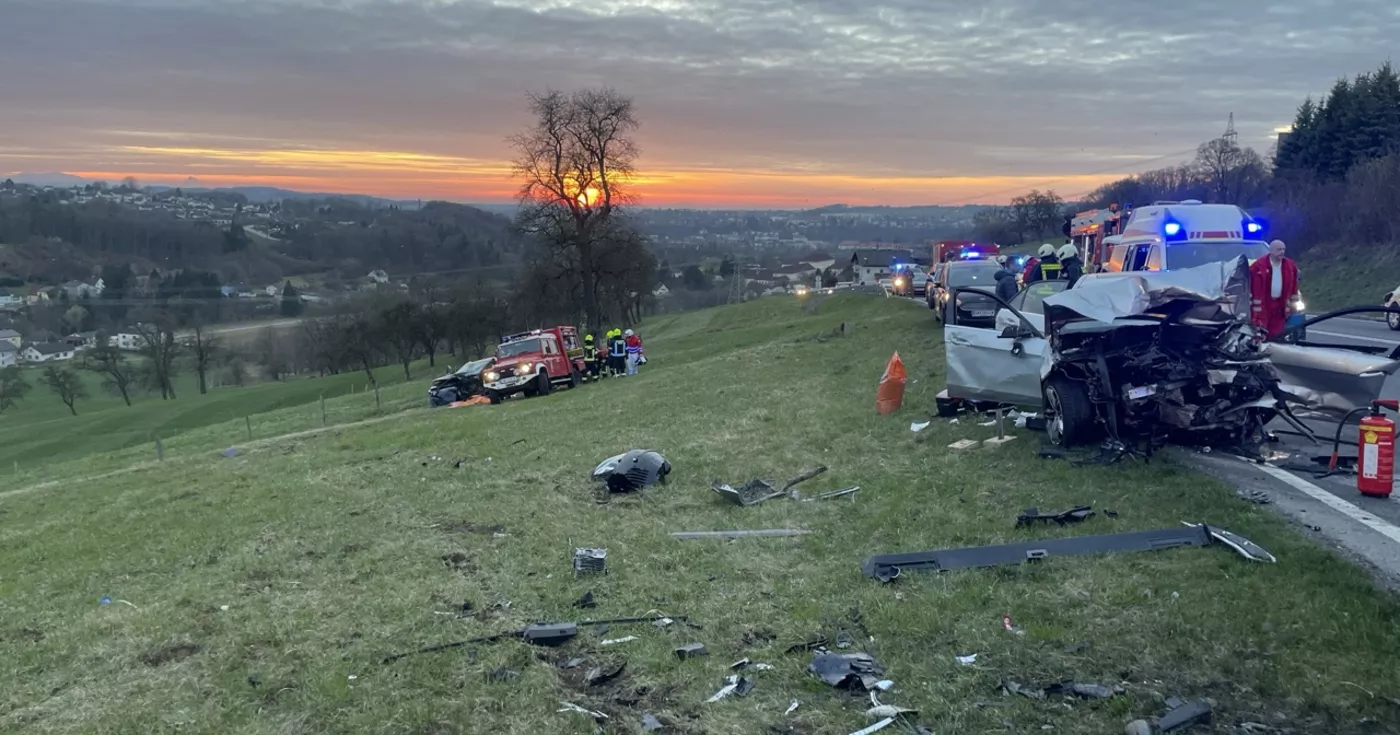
408, 175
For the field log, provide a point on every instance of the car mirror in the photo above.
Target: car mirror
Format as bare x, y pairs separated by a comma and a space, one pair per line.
1010, 332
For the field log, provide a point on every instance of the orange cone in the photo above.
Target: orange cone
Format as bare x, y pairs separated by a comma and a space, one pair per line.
890, 395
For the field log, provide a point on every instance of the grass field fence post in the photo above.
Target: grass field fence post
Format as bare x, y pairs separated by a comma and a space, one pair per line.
377, 407
248, 424
323, 410
160, 450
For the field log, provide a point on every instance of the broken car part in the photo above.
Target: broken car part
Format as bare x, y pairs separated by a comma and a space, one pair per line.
542, 634
1186, 715
1073, 515
694, 535
886, 567
757, 491
735, 685
632, 471
590, 561
832, 494
691, 650
846, 670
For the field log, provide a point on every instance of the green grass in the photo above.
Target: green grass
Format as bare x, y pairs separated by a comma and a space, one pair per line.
40, 430
334, 548
1335, 277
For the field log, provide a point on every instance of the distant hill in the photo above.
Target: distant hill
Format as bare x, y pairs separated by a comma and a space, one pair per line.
49, 179
925, 210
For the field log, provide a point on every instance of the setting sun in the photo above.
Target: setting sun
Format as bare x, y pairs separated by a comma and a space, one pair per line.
590, 196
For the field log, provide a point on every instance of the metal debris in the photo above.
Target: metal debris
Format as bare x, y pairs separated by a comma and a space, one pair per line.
691, 650
650, 723
696, 535
590, 561
571, 707
637, 469
1186, 715
615, 641
846, 670
1074, 515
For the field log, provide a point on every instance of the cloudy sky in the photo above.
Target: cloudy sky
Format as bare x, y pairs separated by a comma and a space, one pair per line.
742, 102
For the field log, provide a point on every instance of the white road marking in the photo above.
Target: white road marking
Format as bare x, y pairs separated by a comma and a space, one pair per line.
1369, 520
1354, 336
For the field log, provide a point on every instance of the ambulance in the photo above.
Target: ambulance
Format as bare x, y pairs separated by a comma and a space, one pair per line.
1176, 235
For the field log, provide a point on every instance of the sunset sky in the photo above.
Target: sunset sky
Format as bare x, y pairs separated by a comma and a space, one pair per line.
743, 103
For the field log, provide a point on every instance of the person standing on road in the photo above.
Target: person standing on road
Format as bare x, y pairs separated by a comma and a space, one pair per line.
1273, 287
1045, 267
1006, 280
1071, 267
633, 344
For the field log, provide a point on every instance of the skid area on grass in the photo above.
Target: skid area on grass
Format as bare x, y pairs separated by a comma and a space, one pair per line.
262, 592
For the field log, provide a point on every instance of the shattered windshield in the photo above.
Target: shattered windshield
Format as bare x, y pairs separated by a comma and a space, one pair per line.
973, 274
1190, 255
518, 348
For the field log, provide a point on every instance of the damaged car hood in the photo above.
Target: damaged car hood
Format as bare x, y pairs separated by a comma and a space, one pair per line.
1216, 289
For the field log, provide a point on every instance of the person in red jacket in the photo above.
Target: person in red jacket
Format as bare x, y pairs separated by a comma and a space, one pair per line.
1273, 287
634, 351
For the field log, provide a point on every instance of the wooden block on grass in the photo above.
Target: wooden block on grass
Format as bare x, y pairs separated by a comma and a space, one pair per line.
963, 444
995, 442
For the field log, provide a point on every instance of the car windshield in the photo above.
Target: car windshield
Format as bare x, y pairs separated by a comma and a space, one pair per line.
972, 274
518, 348
474, 367
1190, 255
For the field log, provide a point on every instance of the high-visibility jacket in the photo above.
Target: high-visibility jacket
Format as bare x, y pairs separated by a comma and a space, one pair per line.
590, 353
616, 348
1049, 271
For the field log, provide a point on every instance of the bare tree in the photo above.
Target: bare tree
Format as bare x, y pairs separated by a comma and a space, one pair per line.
576, 163
432, 330
205, 348
157, 344
1232, 174
272, 354
13, 386
399, 325
66, 384
118, 373
358, 339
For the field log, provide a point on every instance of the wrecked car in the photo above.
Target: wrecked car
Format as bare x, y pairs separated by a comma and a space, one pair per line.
1156, 357
458, 385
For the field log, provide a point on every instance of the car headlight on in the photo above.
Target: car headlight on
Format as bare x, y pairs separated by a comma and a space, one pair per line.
491, 376
523, 368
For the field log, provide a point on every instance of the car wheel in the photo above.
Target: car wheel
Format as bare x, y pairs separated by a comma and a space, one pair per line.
575, 377
542, 384
1392, 319
494, 397
1069, 415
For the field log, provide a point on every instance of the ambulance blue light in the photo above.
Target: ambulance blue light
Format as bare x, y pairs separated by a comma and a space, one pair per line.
1253, 227
1172, 228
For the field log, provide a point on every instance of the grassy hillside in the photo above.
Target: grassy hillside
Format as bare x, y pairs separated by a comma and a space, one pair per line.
1334, 277
40, 430
259, 593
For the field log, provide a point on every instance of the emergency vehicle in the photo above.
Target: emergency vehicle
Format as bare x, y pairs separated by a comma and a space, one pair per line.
1088, 229
1176, 235
534, 362
946, 250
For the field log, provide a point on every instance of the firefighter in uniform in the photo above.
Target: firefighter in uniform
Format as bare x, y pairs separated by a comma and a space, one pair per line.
617, 353
1046, 267
590, 357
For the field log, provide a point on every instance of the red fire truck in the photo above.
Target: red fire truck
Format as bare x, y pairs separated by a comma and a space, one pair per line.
946, 250
534, 362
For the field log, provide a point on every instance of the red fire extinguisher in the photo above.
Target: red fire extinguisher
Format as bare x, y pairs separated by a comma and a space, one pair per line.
1375, 466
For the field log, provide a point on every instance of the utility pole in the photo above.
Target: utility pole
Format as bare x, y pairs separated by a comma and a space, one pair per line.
1230, 135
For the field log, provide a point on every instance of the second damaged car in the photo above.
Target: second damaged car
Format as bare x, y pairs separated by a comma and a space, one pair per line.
1150, 358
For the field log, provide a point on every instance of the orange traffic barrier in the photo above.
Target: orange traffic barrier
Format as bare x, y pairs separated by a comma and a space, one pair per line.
890, 395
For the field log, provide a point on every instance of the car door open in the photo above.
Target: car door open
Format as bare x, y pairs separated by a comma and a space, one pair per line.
991, 364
